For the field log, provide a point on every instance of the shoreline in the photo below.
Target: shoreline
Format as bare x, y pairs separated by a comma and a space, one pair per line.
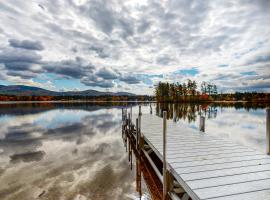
74, 101
89, 101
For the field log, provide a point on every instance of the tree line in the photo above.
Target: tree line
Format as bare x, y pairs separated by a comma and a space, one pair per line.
76, 98
188, 92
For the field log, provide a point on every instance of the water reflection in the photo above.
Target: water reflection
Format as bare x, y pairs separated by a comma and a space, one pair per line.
189, 112
27, 157
75, 150
72, 152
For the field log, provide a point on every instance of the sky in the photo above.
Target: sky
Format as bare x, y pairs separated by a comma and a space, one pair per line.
131, 45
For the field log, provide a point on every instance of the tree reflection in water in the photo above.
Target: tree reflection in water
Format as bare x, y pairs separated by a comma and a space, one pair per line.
190, 111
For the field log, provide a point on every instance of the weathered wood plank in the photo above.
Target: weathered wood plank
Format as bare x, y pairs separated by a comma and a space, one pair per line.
230, 165
179, 141
258, 195
224, 172
176, 155
202, 146
209, 149
227, 180
211, 157
233, 189
217, 161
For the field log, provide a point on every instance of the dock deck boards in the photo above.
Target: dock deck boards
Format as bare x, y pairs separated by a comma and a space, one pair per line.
208, 167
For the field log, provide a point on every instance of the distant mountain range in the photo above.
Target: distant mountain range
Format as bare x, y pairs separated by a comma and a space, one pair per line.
22, 90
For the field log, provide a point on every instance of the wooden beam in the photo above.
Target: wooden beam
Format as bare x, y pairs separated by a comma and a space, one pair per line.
202, 123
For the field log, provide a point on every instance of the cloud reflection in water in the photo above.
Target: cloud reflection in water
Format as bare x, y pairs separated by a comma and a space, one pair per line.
64, 154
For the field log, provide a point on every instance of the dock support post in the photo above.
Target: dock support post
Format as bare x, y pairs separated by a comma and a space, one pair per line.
141, 143
202, 123
174, 113
122, 114
140, 114
130, 154
151, 109
131, 115
129, 121
137, 134
128, 150
126, 142
165, 185
268, 131
138, 177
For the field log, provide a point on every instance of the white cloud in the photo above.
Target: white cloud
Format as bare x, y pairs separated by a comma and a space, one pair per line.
146, 37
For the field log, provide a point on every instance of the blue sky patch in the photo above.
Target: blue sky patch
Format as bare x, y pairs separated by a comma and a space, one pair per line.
223, 65
250, 73
188, 72
60, 84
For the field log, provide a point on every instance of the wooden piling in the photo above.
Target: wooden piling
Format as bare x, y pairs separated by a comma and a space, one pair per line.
131, 114
140, 135
202, 123
140, 114
164, 155
122, 115
174, 113
128, 120
126, 143
137, 134
268, 131
130, 157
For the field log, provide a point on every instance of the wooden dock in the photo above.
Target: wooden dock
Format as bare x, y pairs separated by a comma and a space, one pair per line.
196, 165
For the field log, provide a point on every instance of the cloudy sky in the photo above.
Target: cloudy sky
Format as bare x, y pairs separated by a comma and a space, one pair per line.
129, 45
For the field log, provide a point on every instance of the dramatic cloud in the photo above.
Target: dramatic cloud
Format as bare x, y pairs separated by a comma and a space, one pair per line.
15, 55
71, 68
120, 44
107, 74
26, 44
22, 63
130, 79
94, 82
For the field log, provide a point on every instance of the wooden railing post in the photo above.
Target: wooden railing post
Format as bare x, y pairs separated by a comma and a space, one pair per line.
131, 114
125, 113
129, 120
268, 131
174, 113
202, 123
140, 135
140, 114
137, 134
165, 184
122, 115
151, 109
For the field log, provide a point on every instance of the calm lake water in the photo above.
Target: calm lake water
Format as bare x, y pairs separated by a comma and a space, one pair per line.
63, 151
75, 151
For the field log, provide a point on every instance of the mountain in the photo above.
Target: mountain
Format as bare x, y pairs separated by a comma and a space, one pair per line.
22, 90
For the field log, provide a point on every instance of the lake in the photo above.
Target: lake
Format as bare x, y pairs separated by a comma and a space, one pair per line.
75, 150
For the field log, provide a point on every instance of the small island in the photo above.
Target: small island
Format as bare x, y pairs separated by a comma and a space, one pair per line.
189, 92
